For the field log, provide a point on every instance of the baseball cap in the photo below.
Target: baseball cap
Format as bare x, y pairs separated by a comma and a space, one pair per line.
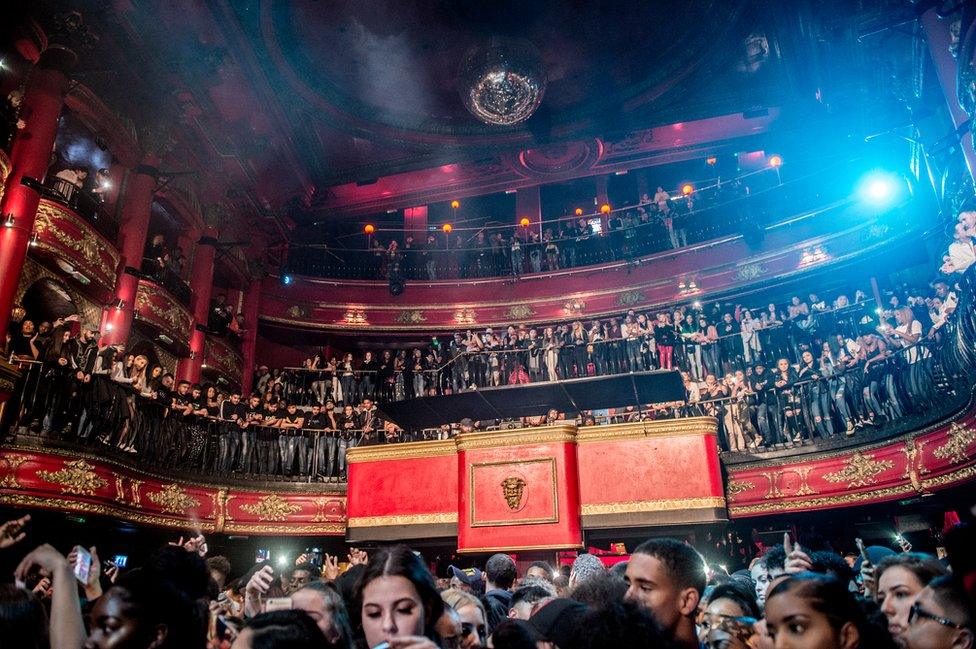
470, 576
558, 620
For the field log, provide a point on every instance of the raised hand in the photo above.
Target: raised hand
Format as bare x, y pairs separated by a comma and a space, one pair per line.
13, 532
330, 568
357, 557
796, 559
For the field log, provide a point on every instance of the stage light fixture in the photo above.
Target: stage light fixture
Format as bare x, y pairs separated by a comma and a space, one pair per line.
524, 222
286, 279
776, 161
880, 188
447, 227
369, 229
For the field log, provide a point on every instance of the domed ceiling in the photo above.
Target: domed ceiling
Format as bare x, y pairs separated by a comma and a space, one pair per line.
388, 68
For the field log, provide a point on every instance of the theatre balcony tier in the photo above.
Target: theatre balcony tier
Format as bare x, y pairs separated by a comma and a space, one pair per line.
165, 316
830, 238
75, 247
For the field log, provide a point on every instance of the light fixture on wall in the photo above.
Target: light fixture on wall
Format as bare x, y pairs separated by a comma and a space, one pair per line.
33, 240
8, 221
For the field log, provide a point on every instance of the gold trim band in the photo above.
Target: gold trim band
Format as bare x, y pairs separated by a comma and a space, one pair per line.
403, 451
445, 518
648, 506
523, 548
555, 433
640, 429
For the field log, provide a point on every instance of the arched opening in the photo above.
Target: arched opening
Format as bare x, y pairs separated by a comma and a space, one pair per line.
46, 300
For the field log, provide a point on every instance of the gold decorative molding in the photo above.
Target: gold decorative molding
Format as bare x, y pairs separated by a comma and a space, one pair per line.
412, 316
173, 499
638, 429
89, 246
404, 451
520, 548
65, 504
175, 315
9, 464
860, 470
445, 518
520, 312
474, 521
959, 439
648, 506
631, 297
77, 477
823, 501
271, 508
773, 478
555, 433
735, 488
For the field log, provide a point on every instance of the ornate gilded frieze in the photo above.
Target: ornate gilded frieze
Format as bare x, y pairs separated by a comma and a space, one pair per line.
64, 234
860, 470
76, 477
224, 358
173, 499
156, 306
960, 438
272, 508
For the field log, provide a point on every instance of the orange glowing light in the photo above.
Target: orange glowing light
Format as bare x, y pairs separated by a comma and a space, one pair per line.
447, 227
712, 160
369, 229
579, 211
455, 204
687, 188
524, 221
605, 208
775, 161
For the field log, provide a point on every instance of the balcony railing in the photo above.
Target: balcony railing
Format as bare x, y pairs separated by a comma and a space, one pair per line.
87, 205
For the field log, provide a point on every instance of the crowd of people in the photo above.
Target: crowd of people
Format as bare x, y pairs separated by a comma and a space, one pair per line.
797, 595
657, 222
772, 376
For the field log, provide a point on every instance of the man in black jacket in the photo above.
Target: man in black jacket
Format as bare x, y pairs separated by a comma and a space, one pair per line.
500, 574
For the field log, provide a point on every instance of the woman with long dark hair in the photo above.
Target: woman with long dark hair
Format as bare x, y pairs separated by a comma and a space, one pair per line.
817, 611
396, 597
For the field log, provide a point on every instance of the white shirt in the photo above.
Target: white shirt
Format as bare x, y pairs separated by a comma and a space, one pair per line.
962, 255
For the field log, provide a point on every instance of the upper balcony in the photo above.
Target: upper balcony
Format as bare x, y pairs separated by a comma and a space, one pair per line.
75, 246
166, 318
830, 237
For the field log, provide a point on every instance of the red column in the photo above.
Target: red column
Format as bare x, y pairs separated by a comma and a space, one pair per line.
134, 227
528, 204
29, 157
252, 307
201, 281
937, 35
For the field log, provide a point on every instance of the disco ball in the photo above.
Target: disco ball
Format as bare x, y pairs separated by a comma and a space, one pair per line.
502, 82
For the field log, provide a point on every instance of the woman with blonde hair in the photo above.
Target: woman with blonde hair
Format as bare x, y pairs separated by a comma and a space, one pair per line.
474, 625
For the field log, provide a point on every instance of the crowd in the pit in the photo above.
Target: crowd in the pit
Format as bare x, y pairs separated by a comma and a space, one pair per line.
801, 594
659, 221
